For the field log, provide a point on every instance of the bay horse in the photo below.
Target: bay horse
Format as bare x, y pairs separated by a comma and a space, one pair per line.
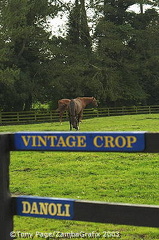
75, 110
62, 107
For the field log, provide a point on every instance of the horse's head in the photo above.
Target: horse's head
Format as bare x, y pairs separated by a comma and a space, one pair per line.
94, 101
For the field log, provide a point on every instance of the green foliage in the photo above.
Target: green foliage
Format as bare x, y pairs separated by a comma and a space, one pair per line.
118, 63
8, 79
78, 30
25, 46
124, 49
145, 45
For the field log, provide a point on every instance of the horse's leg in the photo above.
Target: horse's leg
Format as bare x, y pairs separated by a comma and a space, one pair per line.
61, 115
78, 121
80, 116
70, 121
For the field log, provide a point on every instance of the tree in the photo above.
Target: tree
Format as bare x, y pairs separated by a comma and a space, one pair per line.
116, 60
78, 30
24, 35
117, 65
145, 45
71, 56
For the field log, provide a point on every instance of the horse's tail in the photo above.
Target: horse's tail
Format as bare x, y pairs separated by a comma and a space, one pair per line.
72, 114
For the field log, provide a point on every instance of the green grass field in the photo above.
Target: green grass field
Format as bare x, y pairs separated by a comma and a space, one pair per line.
109, 177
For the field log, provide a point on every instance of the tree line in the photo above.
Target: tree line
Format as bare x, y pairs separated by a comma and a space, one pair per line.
111, 53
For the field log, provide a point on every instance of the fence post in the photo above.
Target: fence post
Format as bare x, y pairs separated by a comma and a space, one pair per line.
108, 112
18, 116
97, 113
35, 116
6, 215
51, 113
149, 109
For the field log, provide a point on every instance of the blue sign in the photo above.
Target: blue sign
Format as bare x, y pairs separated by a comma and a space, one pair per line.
81, 141
43, 207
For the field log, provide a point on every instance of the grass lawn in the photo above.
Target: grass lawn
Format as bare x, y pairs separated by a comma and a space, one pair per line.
109, 177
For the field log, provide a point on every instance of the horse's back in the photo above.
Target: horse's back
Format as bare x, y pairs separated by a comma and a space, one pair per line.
63, 101
75, 107
79, 105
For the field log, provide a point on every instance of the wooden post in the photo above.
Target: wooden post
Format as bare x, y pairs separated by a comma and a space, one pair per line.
6, 215
0, 117
108, 112
17, 116
149, 109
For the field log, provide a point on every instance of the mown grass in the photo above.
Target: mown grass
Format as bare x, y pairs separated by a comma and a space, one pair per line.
110, 177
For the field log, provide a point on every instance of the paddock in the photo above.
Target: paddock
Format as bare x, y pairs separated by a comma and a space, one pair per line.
70, 209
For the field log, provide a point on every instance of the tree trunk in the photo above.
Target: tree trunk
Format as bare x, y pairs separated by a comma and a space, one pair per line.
28, 103
141, 8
